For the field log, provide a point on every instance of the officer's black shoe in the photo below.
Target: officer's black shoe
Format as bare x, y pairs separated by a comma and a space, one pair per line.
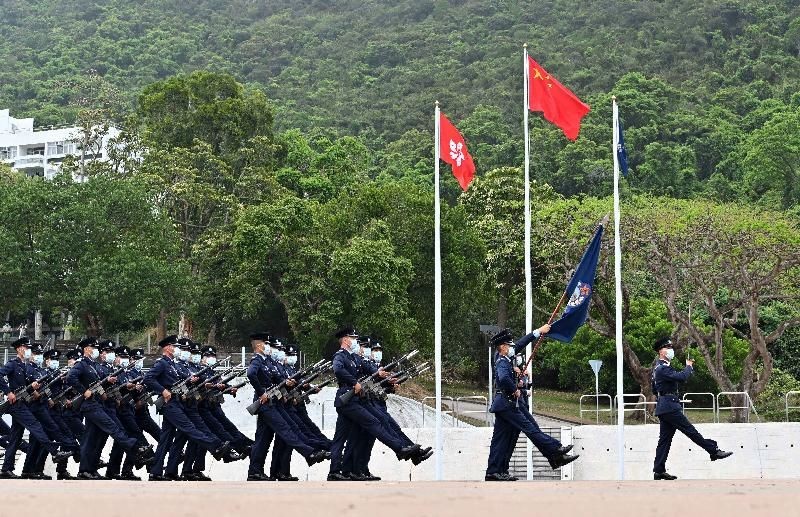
327, 455
232, 455
259, 477
88, 476
338, 476
156, 477
357, 476
406, 453
199, 476
61, 456
128, 476
422, 456
26, 475
222, 451
565, 449
369, 477
286, 477
317, 457
509, 477
102, 464
8, 474
495, 477
171, 477
561, 460
664, 475
719, 454
64, 476
245, 451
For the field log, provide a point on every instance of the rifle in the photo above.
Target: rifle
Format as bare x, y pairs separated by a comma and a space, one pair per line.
305, 397
116, 391
369, 380
96, 388
279, 391
296, 393
196, 393
46, 389
25, 393
180, 388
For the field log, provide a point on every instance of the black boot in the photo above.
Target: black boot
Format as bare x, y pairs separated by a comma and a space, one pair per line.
561, 460
664, 475
719, 454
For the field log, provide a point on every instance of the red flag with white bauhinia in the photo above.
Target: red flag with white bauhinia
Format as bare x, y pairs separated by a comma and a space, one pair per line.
453, 150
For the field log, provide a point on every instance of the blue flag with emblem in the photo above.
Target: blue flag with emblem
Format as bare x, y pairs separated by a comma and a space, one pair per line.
621, 150
579, 289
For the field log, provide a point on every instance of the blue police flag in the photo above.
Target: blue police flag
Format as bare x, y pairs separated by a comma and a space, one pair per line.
579, 289
621, 150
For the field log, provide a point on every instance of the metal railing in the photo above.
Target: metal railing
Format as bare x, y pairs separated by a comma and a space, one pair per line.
474, 399
786, 402
684, 400
640, 404
452, 405
597, 410
748, 403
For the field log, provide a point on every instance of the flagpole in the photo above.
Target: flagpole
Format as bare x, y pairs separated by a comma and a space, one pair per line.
437, 290
528, 287
618, 297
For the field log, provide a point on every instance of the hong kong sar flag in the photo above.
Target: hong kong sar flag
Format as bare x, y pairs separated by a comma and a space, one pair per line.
453, 150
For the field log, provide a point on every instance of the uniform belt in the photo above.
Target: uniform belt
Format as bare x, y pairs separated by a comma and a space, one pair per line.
667, 394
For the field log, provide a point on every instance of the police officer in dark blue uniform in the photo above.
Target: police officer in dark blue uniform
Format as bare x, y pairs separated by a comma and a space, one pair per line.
141, 406
125, 415
14, 375
354, 422
272, 421
99, 425
160, 379
510, 417
669, 411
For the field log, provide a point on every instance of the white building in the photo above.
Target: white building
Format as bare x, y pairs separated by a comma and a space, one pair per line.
40, 151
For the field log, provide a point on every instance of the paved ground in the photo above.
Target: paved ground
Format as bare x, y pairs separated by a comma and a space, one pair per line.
385, 499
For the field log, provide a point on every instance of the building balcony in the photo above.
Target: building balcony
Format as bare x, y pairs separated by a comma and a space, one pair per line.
27, 162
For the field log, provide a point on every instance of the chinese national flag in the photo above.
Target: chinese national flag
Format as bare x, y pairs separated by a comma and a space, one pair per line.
559, 105
453, 150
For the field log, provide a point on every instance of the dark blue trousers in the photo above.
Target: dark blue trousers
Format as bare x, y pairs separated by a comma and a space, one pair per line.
355, 414
165, 439
21, 419
191, 428
146, 423
241, 441
671, 422
128, 421
281, 425
99, 426
264, 436
498, 450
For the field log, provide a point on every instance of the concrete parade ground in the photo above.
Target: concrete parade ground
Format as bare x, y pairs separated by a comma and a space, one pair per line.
241, 499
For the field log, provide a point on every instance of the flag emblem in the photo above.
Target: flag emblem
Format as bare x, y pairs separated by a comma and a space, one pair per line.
580, 294
456, 152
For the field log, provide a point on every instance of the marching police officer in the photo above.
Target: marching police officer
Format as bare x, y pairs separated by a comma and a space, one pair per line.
272, 420
354, 422
14, 378
141, 398
99, 425
665, 380
509, 415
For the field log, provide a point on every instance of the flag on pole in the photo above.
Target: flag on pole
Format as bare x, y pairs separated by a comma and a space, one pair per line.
579, 289
453, 150
558, 104
619, 144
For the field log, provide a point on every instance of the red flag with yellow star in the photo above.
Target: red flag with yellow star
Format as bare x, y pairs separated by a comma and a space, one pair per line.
558, 104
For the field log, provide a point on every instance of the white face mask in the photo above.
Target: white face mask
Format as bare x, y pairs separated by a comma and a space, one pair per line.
110, 356
670, 354
291, 360
140, 363
377, 356
53, 364
195, 358
38, 359
267, 350
95, 353
366, 353
124, 362
354, 346
185, 355
27, 353
519, 360
211, 361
